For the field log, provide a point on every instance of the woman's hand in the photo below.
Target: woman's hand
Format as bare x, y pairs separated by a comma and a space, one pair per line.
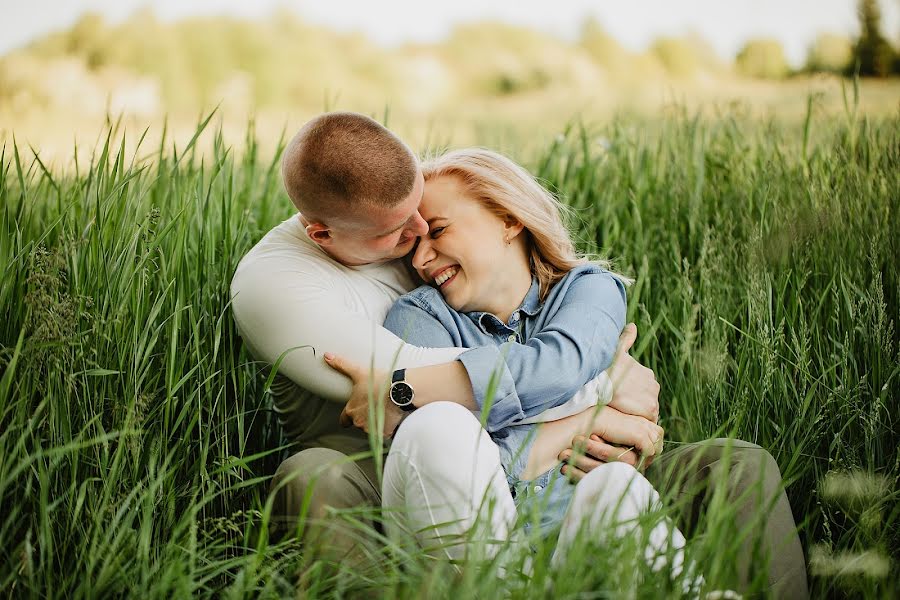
356, 412
635, 389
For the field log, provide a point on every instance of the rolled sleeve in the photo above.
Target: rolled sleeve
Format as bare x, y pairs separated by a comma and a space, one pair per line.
575, 343
420, 319
493, 386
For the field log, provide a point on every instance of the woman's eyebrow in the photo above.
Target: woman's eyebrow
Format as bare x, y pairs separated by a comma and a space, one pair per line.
433, 219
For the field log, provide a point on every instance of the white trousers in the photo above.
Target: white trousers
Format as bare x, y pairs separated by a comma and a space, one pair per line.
443, 477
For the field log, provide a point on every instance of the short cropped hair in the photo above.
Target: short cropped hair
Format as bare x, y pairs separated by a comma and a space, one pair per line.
341, 160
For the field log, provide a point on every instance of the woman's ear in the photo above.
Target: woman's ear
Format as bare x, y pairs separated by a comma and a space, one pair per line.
512, 228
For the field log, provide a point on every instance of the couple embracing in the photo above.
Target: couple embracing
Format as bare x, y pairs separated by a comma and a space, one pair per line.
511, 352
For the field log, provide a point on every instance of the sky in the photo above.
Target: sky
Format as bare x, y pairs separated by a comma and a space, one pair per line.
727, 24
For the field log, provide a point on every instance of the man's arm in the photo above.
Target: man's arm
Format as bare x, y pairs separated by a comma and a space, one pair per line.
287, 318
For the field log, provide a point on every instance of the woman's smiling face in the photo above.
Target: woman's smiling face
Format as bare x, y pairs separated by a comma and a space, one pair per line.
465, 253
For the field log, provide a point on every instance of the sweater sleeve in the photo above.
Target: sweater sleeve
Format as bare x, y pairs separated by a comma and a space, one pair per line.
290, 322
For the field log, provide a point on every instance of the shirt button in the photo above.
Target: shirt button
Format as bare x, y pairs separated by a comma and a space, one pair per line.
538, 488
511, 338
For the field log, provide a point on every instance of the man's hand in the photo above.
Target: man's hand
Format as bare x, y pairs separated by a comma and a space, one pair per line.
356, 412
635, 389
586, 454
634, 440
637, 433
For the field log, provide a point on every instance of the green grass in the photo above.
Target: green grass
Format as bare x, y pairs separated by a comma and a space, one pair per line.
136, 438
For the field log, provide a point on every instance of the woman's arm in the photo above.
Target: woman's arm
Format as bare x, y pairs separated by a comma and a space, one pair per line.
562, 351
631, 432
576, 342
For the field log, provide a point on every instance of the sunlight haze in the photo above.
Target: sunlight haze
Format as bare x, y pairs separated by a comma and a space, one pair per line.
727, 25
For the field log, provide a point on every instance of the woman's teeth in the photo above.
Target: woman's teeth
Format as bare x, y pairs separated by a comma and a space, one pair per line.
445, 275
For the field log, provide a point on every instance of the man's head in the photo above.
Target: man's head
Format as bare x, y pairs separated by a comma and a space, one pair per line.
357, 187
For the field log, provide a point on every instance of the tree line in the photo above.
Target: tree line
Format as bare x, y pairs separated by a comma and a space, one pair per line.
281, 60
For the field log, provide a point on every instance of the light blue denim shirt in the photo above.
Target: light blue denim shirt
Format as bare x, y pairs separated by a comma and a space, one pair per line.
541, 356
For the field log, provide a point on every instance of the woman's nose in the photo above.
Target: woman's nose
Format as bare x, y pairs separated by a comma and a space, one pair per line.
423, 255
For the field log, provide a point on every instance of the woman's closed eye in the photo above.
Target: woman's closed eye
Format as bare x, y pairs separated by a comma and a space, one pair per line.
436, 232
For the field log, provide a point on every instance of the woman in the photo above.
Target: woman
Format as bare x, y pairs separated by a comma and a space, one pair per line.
501, 269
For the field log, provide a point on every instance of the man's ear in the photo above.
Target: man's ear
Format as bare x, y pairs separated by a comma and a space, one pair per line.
319, 233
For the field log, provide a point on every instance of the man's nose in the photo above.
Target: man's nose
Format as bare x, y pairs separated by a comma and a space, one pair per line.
419, 226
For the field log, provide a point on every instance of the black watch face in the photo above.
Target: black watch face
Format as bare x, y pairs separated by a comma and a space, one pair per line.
401, 393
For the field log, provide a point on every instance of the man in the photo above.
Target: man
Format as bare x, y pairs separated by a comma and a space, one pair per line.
324, 280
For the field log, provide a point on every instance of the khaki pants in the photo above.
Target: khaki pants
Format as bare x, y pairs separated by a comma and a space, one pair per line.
312, 482
742, 481
729, 475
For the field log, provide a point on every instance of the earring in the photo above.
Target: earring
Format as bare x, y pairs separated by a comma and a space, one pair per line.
507, 240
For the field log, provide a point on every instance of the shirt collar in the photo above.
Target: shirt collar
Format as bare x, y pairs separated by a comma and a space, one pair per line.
531, 305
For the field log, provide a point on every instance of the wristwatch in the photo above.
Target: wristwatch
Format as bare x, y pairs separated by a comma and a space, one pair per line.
401, 392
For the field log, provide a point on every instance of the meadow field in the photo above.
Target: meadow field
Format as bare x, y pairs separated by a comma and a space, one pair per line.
137, 439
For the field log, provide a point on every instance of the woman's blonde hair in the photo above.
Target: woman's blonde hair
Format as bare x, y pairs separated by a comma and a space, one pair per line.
511, 192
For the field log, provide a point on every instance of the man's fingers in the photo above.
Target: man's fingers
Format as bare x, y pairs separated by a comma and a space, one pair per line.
646, 446
345, 419
609, 453
573, 473
356, 419
652, 442
627, 338
605, 452
341, 365
596, 452
579, 460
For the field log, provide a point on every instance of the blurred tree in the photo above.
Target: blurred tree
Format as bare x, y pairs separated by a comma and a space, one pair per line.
627, 69
706, 55
499, 59
677, 55
208, 53
872, 53
604, 49
87, 39
762, 58
144, 45
830, 53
